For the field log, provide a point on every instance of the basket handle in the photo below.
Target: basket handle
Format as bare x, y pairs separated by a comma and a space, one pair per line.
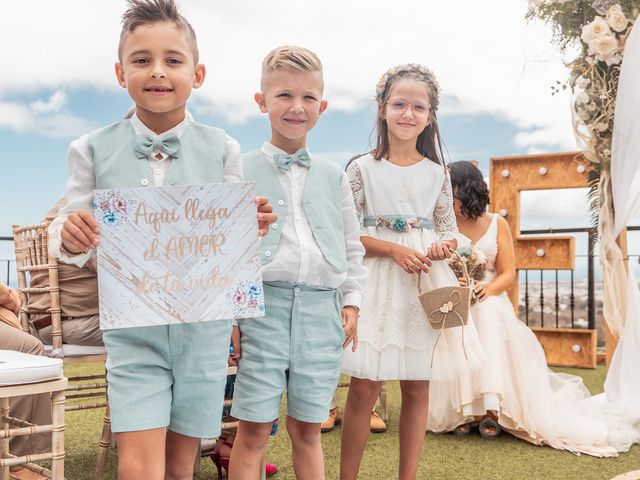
464, 271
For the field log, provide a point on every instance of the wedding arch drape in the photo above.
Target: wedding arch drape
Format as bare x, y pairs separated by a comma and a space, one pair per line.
622, 296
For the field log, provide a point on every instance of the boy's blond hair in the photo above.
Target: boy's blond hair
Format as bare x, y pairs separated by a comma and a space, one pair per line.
289, 58
146, 12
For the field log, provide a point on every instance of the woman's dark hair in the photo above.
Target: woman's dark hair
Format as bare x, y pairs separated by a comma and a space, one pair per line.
470, 188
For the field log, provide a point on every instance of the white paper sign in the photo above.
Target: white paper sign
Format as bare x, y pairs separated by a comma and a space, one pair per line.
178, 254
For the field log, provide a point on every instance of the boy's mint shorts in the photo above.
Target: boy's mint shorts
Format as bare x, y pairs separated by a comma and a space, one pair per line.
296, 346
168, 376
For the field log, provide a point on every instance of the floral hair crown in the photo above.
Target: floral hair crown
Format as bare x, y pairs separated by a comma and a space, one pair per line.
422, 73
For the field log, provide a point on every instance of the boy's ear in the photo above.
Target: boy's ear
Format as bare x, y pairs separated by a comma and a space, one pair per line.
201, 72
120, 75
262, 104
323, 106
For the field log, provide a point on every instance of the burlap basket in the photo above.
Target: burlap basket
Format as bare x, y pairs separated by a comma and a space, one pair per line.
446, 307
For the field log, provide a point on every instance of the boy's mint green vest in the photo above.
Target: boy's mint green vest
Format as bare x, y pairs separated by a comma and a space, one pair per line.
321, 199
201, 158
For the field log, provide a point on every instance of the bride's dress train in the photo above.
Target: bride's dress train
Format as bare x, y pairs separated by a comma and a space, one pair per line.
530, 401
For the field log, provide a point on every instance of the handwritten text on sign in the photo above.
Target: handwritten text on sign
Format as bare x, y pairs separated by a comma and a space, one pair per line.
178, 254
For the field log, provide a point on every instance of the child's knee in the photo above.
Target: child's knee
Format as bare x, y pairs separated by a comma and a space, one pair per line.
414, 391
364, 392
182, 469
302, 433
253, 435
131, 468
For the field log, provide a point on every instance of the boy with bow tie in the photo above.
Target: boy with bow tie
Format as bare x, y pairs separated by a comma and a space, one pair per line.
312, 271
166, 383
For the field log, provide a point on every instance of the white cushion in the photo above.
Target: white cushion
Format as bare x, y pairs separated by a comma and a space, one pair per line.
17, 368
69, 350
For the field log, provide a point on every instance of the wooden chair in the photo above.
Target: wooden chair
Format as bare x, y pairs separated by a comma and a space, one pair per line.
32, 254
12, 427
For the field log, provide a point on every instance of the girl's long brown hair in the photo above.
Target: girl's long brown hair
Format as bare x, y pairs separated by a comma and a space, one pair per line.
429, 142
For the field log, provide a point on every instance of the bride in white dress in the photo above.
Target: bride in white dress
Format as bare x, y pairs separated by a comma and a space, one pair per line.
515, 386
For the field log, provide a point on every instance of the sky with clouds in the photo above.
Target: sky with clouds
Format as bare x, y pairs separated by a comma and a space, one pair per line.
495, 69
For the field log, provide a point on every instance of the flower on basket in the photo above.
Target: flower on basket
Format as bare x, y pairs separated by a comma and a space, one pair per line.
472, 261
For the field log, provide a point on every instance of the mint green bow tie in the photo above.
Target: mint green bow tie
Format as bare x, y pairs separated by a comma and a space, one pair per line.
145, 145
284, 160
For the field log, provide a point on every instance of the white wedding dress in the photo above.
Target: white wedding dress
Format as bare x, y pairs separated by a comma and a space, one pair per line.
530, 401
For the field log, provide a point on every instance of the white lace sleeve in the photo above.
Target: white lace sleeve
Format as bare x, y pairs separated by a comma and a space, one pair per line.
357, 188
444, 217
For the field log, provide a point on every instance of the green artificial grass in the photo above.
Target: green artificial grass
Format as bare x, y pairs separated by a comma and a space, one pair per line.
444, 456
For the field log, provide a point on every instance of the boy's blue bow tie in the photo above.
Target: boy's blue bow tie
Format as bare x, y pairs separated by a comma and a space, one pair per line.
284, 160
145, 145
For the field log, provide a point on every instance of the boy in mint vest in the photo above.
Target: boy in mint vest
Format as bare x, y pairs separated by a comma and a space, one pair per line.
312, 272
166, 383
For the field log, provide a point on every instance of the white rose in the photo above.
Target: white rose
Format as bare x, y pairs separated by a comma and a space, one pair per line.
614, 60
582, 82
602, 127
582, 98
595, 29
616, 18
603, 47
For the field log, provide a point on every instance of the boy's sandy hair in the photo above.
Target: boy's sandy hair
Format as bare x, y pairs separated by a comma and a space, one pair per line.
290, 57
146, 12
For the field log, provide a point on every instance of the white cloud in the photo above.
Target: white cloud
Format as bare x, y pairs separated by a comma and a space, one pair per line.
43, 118
554, 208
14, 116
54, 104
561, 134
484, 53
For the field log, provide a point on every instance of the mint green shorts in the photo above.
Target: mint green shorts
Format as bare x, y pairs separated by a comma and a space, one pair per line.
296, 346
168, 376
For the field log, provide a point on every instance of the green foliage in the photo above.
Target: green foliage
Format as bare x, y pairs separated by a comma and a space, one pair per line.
597, 30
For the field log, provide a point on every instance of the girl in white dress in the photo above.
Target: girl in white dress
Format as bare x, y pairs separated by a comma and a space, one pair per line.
403, 197
514, 386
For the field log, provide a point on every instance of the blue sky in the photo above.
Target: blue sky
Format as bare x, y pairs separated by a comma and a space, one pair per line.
495, 70
39, 162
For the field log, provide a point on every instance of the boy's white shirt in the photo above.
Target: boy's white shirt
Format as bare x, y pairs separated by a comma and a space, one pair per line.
82, 181
299, 259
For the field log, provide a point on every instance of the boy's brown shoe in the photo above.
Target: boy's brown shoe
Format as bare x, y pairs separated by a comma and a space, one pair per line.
377, 424
331, 422
21, 473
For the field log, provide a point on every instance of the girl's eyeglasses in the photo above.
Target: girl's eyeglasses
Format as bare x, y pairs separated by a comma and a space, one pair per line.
400, 106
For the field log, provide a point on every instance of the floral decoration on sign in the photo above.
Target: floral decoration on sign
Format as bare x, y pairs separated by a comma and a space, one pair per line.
247, 299
111, 208
599, 29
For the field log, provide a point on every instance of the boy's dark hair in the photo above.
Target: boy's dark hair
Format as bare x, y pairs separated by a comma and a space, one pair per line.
469, 188
146, 12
